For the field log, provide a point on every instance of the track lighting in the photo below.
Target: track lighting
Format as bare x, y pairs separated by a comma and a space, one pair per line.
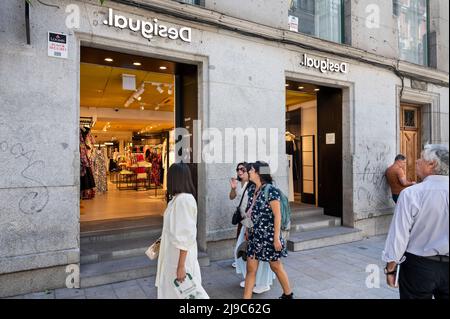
159, 89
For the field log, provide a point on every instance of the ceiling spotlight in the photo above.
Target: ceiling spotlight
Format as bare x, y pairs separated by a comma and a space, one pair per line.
139, 98
159, 88
163, 67
169, 91
157, 108
142, 108
109, 60
287, 85
317, 90
301, 87
137, 63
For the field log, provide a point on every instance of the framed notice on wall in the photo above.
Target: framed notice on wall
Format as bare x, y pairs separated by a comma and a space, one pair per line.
57, 45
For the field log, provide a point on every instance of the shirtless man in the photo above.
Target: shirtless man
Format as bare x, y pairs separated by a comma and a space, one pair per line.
396, 176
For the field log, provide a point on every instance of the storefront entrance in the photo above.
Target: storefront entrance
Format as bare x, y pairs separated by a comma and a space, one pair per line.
129, 107
314, 145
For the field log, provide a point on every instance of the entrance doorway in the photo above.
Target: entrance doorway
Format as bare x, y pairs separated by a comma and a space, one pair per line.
410, 137
314, 145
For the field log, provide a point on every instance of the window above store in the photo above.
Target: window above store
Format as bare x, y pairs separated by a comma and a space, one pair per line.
193, 2
323, 19
412, 17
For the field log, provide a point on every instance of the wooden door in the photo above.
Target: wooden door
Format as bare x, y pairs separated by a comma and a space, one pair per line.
410, 137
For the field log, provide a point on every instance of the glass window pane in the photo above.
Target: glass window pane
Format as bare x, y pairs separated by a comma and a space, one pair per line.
195, 2
409, 117
308, 187
307, 158
319, 18
413, 32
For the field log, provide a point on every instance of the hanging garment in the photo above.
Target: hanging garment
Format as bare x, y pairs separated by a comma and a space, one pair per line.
156, 168
100, 172
87, 181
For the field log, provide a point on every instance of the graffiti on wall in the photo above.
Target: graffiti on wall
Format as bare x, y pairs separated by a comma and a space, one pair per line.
373, 159
18, 163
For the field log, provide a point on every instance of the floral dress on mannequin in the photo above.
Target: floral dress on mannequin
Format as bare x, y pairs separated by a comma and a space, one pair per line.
156, 167
100, 172
87, 181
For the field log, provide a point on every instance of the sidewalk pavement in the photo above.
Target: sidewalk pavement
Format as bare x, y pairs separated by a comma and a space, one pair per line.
334, 272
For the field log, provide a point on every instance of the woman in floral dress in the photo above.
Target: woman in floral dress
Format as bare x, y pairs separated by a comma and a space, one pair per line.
264, 238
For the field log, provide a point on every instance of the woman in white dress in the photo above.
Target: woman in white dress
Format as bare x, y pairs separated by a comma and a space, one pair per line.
178, 248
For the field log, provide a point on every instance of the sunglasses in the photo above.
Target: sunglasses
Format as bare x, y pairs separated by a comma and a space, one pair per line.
242, 169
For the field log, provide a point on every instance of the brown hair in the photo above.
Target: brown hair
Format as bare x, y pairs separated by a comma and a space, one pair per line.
179, 180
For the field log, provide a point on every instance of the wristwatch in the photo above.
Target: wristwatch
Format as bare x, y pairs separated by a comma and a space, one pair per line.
393, 272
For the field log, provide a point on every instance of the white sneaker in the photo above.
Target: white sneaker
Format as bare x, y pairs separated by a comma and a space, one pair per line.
261, 289
242, 284
233, 265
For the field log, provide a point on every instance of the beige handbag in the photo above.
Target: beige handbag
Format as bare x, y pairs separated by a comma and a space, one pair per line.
153, 251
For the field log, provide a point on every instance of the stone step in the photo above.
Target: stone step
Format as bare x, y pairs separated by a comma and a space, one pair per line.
305, 210
323, 237
112, 235
301, 224
112, 271
98, 251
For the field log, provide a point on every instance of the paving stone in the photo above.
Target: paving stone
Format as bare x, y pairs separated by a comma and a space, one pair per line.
66, 293
40, 295
130, 292
100, 292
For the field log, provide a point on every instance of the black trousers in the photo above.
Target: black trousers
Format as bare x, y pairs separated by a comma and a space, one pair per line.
421, 278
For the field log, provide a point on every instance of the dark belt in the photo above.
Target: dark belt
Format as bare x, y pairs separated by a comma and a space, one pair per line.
440, 258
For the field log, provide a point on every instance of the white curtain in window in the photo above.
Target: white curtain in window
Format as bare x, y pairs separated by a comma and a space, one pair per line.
413, 30
328, 19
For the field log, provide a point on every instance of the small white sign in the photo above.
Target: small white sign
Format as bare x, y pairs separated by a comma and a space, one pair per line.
330, 138
57, 45
293, 23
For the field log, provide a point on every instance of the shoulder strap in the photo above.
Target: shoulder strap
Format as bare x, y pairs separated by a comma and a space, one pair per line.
266, 190
243, 193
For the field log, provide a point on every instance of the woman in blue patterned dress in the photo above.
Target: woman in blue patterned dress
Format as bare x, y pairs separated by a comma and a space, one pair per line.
264, 238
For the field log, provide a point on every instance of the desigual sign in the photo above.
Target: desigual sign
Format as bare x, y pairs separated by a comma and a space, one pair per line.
324, 65
148, 29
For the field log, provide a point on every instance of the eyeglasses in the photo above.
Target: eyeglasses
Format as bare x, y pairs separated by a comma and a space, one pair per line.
242, 169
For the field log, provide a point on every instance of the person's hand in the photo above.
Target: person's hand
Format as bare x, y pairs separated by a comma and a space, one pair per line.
390, 280
181, 274
277, 244
234, 183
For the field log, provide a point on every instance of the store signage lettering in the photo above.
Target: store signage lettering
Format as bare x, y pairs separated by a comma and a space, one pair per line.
324, 65
148, 29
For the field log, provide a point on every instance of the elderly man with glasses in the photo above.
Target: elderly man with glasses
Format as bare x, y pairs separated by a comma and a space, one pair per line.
417, 246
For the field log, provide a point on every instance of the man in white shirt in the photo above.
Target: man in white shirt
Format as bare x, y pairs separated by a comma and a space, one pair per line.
418, 237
